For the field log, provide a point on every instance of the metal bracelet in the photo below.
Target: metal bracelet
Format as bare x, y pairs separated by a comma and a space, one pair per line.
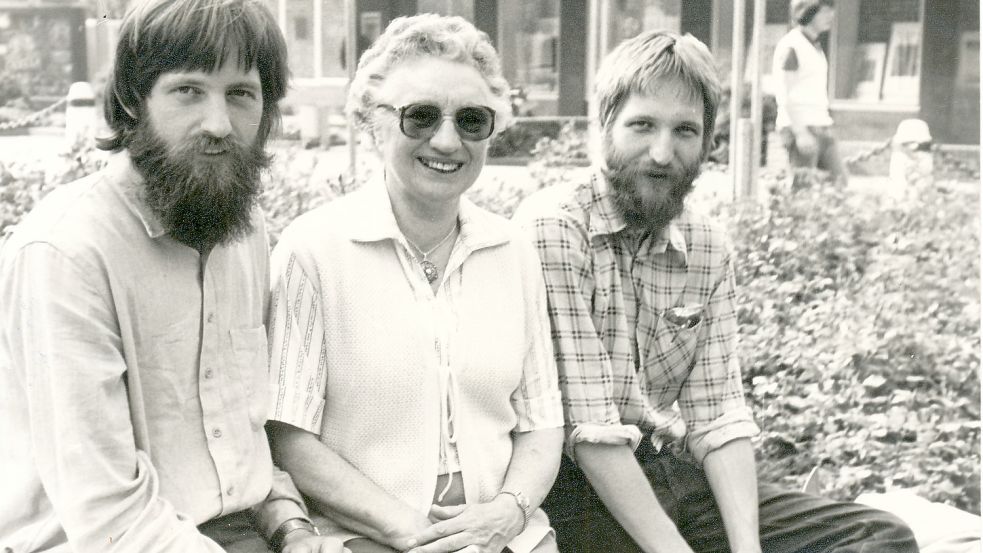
522, 502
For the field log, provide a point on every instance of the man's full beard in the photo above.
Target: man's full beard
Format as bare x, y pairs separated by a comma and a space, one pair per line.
644, 201
200, 202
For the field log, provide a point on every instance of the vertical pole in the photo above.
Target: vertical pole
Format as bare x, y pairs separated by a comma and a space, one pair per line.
351, 58
318, 37
736, 91
756, 101
604, 26
743, 157
596, 49
281, 16
593, 46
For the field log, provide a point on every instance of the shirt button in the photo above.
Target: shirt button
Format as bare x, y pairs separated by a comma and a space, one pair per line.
211, 317
230, 491
217, 433
208, 373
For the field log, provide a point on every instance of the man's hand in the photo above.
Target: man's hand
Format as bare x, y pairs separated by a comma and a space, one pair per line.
400, 532
482, 528
302, 541
806, 143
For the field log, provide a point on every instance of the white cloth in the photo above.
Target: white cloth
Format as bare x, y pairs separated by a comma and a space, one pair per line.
938, 528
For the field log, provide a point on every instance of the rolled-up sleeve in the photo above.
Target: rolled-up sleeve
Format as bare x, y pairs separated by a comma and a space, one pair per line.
298, 358
712, 398
64, 341
583, 364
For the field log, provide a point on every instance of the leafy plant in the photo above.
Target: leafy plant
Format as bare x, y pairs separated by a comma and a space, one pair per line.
23, 184
860, 338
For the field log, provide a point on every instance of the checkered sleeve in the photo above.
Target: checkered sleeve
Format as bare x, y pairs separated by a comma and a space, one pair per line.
298, 374
712, 398
583, 364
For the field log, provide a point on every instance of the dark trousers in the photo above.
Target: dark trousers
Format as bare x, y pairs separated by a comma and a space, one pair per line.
235, 533
790, 522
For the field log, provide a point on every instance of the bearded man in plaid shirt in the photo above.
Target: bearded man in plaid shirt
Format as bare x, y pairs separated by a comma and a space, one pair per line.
641, 299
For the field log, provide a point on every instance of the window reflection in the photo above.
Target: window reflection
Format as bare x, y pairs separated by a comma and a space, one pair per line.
878, 60
529, 35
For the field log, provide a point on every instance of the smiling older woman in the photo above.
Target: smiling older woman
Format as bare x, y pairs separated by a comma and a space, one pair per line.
416, 397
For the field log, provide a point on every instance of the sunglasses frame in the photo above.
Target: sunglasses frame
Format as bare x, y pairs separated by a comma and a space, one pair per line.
432, 130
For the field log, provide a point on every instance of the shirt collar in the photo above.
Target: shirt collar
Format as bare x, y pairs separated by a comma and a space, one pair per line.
605, 219
128, 180
374, 220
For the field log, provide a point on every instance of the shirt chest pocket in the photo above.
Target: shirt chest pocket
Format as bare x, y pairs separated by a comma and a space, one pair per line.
669, 351
249, 351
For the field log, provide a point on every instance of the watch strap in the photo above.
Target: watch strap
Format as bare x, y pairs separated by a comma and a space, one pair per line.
523, 503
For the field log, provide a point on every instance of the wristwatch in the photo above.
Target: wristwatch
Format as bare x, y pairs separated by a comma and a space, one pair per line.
289, 525
523, 502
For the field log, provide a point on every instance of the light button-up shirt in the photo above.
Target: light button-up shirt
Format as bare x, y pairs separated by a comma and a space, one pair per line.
134, 376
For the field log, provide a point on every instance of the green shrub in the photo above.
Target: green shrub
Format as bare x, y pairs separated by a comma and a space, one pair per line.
524, 136
860, 338
23, 184
295, 184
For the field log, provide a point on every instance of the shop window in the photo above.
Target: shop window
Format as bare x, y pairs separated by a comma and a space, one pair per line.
315, 44
529, 34
628, 18
463, 8
878, 52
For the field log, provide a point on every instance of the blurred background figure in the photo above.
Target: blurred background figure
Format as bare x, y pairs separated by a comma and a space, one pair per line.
801, 72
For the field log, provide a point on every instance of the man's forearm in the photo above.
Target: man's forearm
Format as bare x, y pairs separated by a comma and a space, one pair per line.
618, 480
731, 473
283, 503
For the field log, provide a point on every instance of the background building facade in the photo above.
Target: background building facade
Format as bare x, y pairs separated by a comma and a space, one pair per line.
889, 59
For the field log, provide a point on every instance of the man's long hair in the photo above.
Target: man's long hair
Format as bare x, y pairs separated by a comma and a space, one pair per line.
158, 36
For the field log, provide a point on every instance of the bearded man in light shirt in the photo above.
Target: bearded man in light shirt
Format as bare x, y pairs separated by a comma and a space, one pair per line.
133, 354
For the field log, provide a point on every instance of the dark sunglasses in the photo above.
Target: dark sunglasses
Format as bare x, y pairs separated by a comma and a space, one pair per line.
473, 123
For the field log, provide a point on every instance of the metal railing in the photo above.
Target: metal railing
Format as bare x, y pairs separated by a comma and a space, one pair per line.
32, 119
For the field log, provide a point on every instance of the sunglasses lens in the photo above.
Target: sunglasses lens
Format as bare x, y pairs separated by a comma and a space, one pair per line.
422, 121
475, 123
418, 119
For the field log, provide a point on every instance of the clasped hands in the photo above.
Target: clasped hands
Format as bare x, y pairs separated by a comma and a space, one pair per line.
479, 528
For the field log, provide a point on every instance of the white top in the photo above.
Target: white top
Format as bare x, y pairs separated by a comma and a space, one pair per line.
364, 351
801, 75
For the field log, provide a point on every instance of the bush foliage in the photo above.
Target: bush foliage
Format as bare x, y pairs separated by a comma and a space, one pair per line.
859, 316
860, 338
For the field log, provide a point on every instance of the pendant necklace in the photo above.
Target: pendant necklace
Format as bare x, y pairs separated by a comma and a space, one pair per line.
429, 269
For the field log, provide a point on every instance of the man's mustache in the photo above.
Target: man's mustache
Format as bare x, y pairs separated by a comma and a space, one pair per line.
208, 144
653, 170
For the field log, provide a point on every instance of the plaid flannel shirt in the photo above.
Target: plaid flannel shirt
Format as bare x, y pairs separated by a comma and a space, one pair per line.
644, 328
